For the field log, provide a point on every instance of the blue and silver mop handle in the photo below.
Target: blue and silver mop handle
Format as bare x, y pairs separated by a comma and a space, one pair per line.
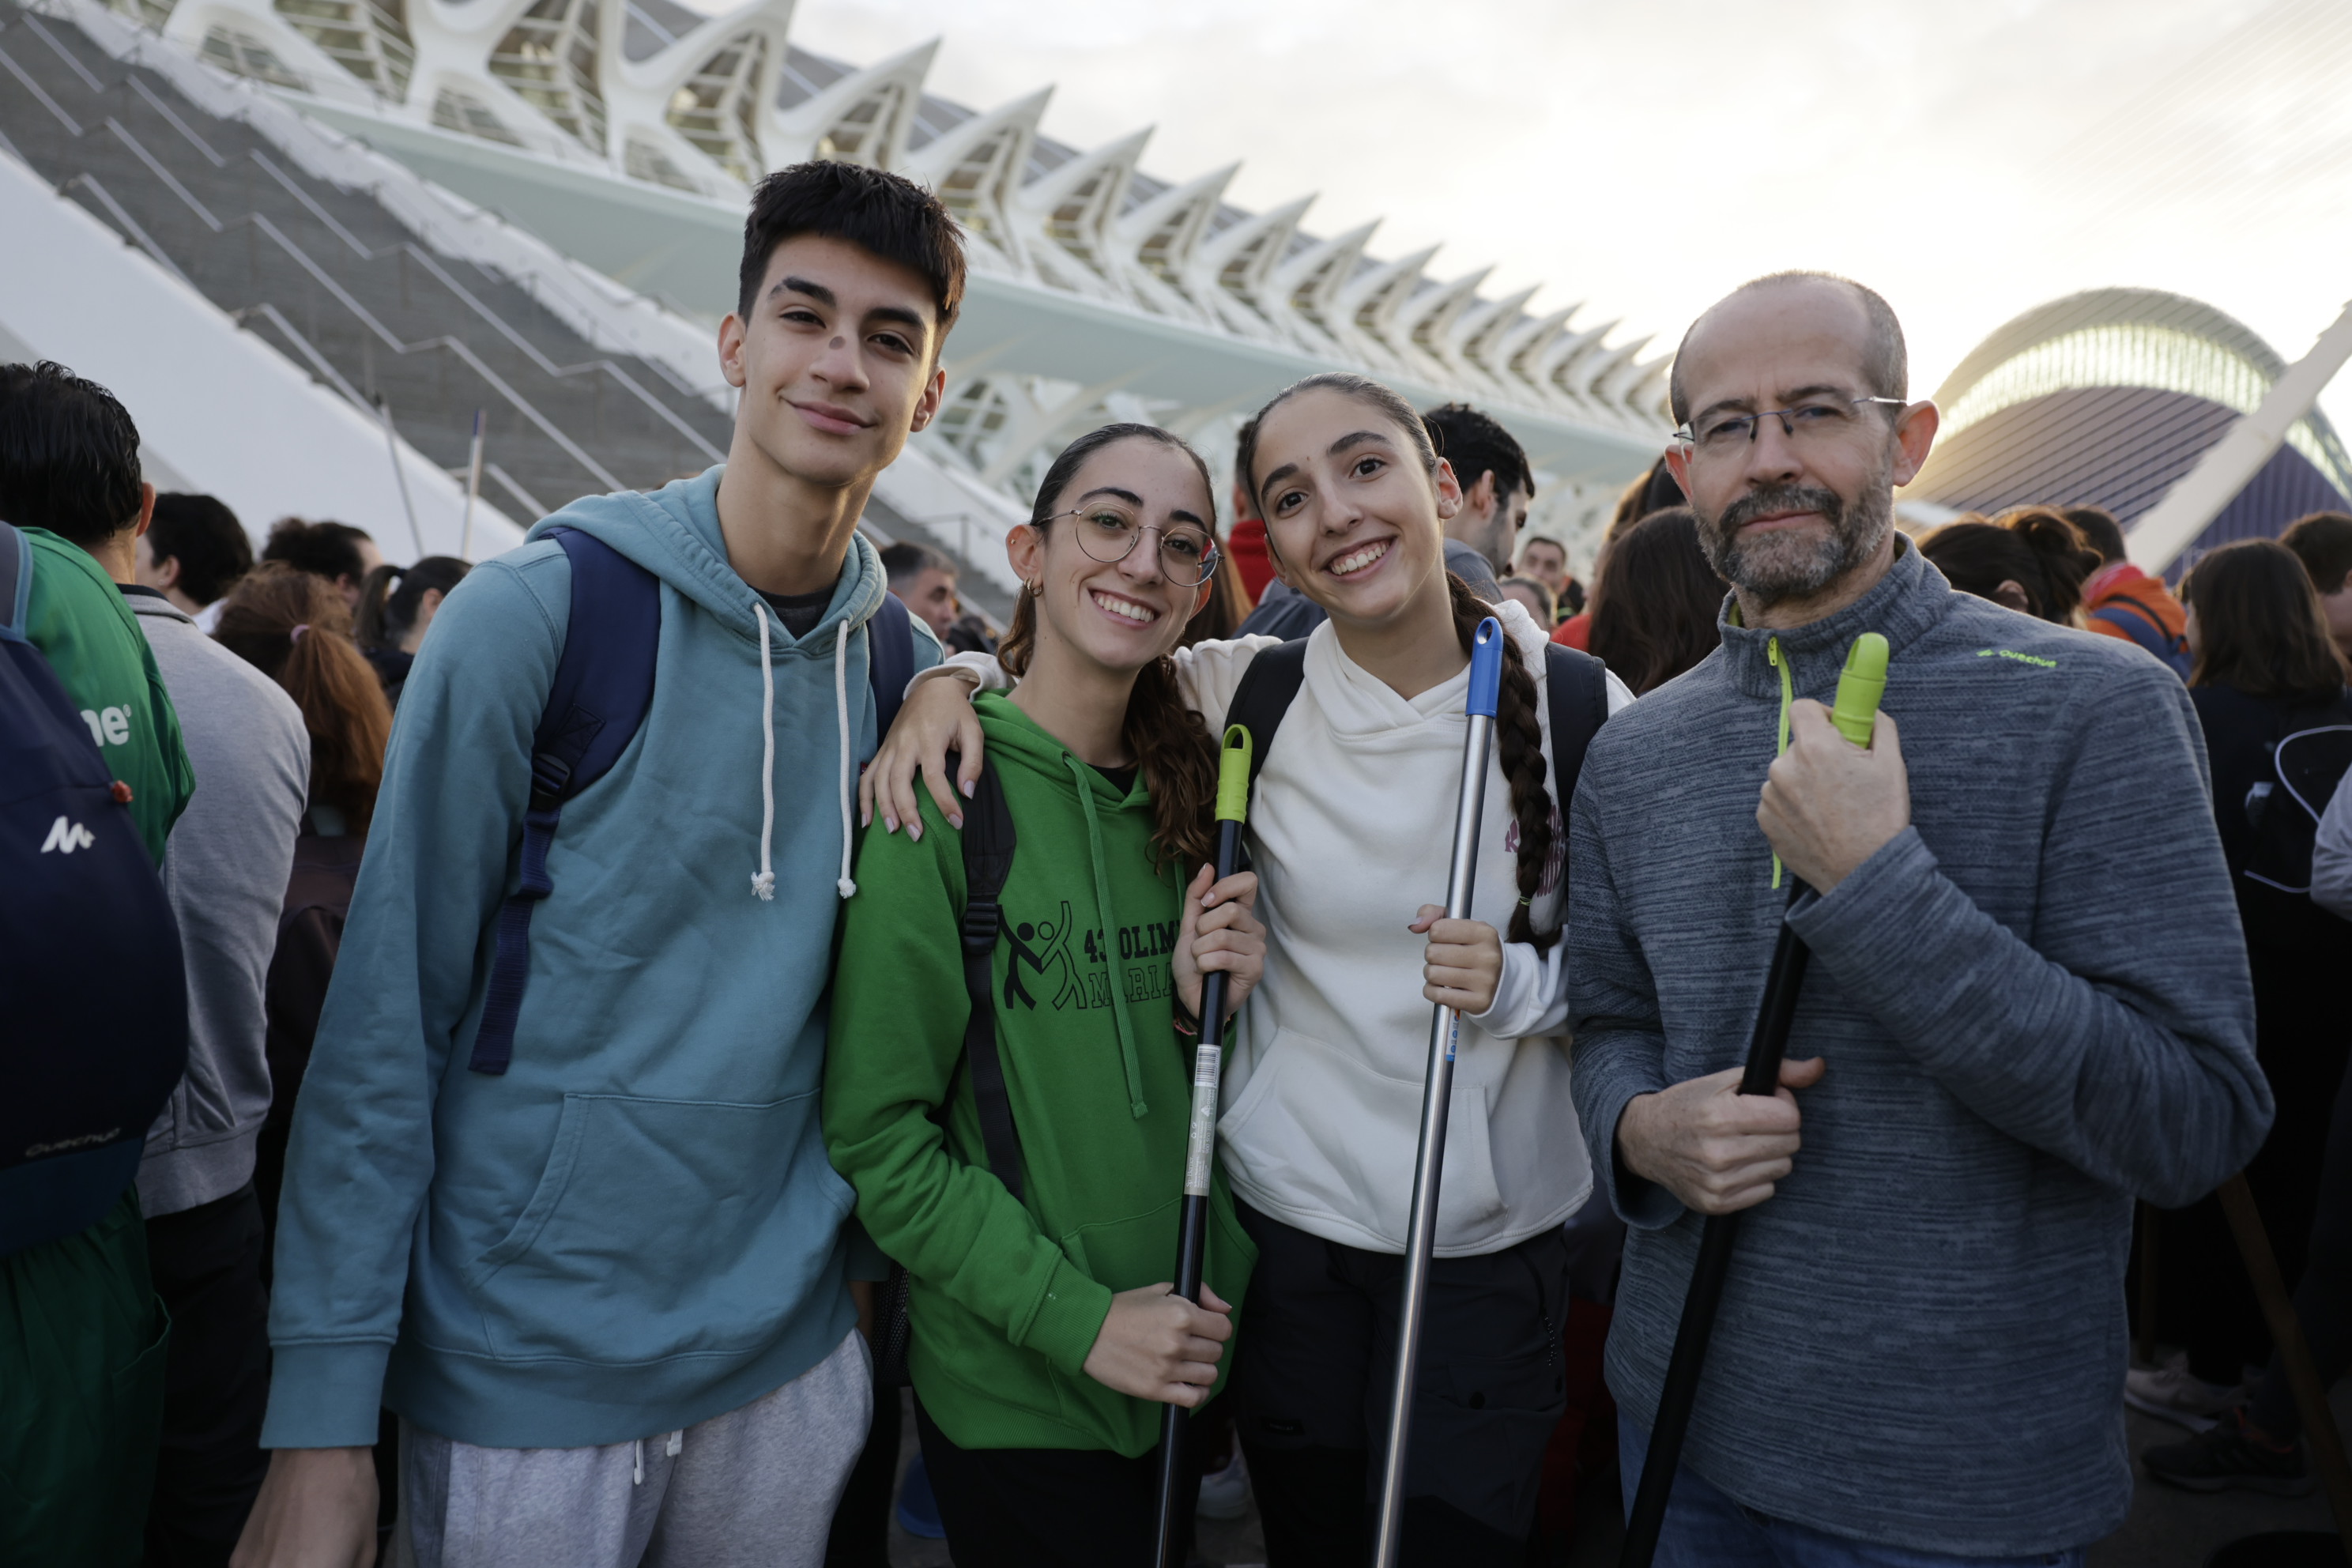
1437, 1093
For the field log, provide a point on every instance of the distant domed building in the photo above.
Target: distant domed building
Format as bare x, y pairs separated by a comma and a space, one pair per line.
2109, 398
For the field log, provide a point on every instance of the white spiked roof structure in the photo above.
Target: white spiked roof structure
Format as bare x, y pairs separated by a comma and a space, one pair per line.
627, 131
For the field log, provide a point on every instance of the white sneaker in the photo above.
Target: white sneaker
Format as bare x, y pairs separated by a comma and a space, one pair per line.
1224, 1494
2171, 1392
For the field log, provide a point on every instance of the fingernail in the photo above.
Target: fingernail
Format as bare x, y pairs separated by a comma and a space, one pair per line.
955, 822
914, 833
889, 823
970, 785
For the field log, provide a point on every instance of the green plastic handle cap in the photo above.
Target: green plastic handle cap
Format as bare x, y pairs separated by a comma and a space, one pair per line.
1233, 768
1860, 688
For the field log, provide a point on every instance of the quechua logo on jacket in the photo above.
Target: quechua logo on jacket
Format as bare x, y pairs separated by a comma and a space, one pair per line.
1071, 969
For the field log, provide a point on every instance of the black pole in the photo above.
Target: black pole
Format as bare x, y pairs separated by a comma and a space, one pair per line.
1192, 1238
1716, 1238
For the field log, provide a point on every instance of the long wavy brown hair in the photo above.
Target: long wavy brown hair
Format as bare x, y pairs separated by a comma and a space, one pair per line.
1168, 739
322, 670
1519, 732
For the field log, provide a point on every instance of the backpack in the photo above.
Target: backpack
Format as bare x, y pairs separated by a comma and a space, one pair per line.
2132, 618
2306, 768
989, 841
603, 685
91, 988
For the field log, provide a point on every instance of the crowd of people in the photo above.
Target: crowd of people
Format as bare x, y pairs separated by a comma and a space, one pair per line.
551, 1125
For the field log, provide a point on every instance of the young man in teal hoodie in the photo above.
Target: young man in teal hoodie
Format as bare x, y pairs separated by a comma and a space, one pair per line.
605, 1289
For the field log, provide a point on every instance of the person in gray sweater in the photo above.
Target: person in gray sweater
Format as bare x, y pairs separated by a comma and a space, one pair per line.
2028, 1003
224, 873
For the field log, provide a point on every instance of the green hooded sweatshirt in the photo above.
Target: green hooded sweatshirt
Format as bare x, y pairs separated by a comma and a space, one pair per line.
1007, 1297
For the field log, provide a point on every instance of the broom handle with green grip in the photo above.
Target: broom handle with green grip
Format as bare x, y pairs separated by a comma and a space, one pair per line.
1201, 1140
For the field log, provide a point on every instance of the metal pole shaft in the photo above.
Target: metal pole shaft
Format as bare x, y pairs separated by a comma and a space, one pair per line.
473, 492
399, 473
1429, 1163
1717, 1237
1193, 1222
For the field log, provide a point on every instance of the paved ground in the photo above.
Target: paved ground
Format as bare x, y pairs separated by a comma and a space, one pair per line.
2166, 1528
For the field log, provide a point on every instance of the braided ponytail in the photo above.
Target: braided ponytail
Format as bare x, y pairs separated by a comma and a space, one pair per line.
1519, 734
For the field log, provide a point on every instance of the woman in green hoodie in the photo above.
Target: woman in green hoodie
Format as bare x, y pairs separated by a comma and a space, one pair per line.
1045, 1333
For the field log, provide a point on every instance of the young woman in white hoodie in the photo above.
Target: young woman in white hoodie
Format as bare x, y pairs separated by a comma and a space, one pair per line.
1350, 833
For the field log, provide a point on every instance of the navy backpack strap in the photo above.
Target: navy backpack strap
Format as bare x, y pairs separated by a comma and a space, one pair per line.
603, 684
890, 662
988, 846
16, 581
1265, 695
1576, 692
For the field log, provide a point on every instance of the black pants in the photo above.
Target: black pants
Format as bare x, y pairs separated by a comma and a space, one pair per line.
1314, 1366
207, 1267
860, 1537
1051, 1507
2322, 1300
2302, 1039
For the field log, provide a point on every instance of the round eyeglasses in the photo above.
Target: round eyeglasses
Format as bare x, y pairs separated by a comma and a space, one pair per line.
1108, 530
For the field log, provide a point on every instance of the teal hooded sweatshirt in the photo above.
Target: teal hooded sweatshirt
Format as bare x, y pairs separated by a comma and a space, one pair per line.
636, 1227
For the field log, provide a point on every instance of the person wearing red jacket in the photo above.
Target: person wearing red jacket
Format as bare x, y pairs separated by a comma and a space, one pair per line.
2122, 601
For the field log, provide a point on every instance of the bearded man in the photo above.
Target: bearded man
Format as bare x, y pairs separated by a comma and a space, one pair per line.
2028, 1003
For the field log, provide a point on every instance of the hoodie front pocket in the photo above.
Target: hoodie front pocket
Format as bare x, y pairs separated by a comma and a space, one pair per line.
665, 1227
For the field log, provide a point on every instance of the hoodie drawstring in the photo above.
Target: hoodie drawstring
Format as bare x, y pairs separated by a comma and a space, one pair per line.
1083, 776
845, 888
763, 881
671, 1449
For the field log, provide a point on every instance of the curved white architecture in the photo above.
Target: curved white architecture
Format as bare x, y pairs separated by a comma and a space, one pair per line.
624, 133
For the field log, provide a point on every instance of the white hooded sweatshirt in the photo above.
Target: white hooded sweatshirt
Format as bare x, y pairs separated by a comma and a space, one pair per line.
1351, 832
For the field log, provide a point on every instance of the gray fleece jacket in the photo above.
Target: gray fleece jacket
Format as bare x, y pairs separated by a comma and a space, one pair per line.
2034, 1006
225, 872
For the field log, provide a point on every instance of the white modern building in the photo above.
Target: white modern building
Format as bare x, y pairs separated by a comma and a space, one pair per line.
625, 137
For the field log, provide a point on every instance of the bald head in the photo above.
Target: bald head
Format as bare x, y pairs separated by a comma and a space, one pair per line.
1822, 305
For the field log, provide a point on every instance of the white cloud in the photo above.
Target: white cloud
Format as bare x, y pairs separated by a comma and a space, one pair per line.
1969, 162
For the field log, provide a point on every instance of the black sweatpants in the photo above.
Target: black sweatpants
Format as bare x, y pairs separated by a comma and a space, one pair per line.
207, 1267
1051, 1507
1314, 1366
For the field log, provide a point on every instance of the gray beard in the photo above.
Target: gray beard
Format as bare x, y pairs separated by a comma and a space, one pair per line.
1778, 567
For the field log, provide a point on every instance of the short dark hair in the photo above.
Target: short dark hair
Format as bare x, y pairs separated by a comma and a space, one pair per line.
69, 455
2323, 542
2099, 528
872, 209
1885, 361
329, 550
907, 559
205, 537
1477, 444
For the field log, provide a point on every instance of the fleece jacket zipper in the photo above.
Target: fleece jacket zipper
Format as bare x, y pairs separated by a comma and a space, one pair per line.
1772, 657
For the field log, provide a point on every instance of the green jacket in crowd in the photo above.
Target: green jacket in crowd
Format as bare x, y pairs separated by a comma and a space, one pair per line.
76, 616
1007, 1297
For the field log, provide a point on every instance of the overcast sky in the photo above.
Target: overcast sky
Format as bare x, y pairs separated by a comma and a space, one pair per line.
1967, 161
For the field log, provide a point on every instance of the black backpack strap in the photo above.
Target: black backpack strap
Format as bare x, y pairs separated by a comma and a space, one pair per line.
603, 684
889, 660
16, 581
1267, 689
1576, 694
988, 846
